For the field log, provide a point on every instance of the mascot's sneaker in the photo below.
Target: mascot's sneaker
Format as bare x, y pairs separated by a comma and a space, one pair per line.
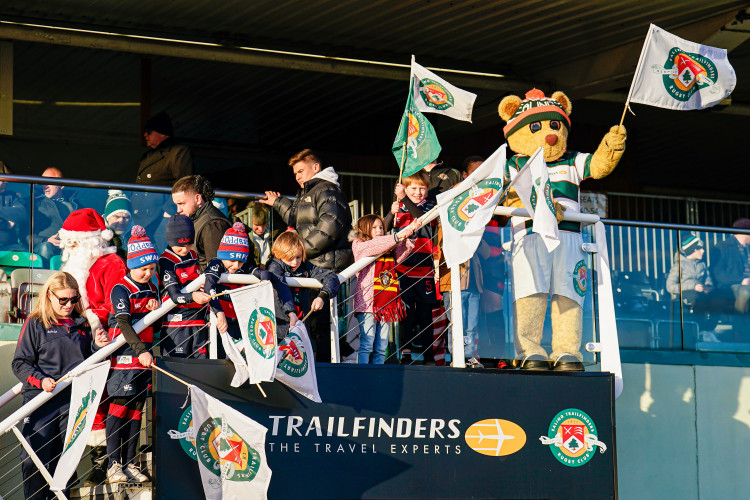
134, 474
567, 363
115, 474
535, 362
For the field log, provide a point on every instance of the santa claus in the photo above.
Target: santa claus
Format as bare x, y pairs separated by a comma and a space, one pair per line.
88, 256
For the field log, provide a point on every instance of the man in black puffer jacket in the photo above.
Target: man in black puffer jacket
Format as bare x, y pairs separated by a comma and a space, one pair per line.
320, 212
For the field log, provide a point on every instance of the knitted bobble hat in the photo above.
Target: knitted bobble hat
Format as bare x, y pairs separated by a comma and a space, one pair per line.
141, 251
234, 244
536, 107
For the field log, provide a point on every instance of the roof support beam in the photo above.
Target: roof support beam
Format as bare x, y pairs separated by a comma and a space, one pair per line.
238, 55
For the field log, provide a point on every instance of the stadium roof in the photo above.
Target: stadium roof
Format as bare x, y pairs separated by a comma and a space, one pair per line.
247, 83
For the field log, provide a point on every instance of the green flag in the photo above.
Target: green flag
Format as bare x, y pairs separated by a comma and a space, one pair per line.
416, 134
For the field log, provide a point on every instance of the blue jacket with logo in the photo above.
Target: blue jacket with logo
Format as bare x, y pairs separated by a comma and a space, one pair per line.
49, 352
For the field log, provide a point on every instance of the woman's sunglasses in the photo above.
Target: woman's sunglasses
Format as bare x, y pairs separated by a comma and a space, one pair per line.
64, 300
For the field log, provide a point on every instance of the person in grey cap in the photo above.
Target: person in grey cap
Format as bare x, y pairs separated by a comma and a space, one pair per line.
731, 265
165, 161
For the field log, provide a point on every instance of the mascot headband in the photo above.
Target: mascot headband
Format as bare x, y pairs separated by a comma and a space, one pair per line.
535, 108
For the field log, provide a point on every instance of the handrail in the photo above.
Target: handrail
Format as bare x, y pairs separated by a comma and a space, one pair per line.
679, 227
57, 181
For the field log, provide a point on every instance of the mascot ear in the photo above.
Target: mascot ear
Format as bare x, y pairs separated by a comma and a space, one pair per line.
564, 101
508, 106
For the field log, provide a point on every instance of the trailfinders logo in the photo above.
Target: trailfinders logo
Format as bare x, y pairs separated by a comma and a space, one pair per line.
225, 453
572, 438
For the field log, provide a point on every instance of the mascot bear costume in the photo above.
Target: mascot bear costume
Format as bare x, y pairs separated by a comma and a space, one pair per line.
545, 121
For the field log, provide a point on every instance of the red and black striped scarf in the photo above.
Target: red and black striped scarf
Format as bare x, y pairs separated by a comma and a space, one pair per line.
386, 301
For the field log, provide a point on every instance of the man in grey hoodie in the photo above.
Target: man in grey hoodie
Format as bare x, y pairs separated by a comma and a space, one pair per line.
690, 276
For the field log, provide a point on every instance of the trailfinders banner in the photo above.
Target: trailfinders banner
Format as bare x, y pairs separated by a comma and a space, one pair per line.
254, 305
679, 74
532, 186
416, 144
85, 395
296, 363
466, 208
231, 450
435, 95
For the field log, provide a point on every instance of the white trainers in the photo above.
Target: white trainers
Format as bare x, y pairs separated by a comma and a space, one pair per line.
115, 474
134, 474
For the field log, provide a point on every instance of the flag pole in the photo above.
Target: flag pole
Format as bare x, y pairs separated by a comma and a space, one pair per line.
165, 372
401, 168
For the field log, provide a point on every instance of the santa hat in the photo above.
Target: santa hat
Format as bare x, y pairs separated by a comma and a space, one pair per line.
117, 204
534, 108
141, 251
234, 244
85, 223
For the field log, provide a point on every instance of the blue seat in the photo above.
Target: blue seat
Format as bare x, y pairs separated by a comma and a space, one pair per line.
55, 263
10, 260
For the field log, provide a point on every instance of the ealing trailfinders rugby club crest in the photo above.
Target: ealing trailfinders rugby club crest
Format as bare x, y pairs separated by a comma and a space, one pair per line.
416, 133
80, 421
261, 330
686, 73
294, 361
224, 452
572, 438
435, 95
547, 194
185, 433
464, 206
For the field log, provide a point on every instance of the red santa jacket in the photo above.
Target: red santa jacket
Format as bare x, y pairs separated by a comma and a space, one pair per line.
106, 272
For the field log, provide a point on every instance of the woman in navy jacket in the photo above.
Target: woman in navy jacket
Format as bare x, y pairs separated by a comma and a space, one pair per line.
54, 339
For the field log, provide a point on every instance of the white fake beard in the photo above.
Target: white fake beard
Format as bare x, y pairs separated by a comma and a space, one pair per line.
79, 259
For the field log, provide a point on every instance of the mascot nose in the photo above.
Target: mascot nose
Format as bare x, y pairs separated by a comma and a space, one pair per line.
551, 139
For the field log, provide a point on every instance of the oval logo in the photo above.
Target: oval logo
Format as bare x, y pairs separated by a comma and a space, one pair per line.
495, 437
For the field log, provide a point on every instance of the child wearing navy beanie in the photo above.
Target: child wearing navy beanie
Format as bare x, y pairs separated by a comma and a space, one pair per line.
184, 331
233, 257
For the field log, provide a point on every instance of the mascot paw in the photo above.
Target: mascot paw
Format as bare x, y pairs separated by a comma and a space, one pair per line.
559, 212
616, 137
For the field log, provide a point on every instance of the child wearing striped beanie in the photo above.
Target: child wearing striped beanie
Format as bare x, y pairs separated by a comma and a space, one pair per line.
233, 257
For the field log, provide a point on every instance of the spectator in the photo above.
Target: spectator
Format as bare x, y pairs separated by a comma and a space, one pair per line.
441, 178
689, 276
732, 266
12, 214
193, 196
118, 216
54, 339
50, 211
260, 236
166, 161
320, 212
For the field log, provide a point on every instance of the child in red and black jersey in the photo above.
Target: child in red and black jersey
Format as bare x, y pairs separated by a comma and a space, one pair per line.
132, 298
184, 332
417, 271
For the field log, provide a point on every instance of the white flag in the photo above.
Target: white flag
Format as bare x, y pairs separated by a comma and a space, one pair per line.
466, 208
532, 184
432, 94
234, 348
296, 363
254, 306
84, 400
679, 74
231, 449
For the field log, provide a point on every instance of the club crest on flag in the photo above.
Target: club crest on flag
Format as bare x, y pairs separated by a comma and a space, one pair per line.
185, 433
547, 194
464, 206
223, 452
416, 133
80, 419
686, 73
294, 360
573, 437
261, 328
435, 95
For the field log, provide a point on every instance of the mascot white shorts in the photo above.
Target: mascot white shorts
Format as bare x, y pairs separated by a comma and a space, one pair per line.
562, 272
